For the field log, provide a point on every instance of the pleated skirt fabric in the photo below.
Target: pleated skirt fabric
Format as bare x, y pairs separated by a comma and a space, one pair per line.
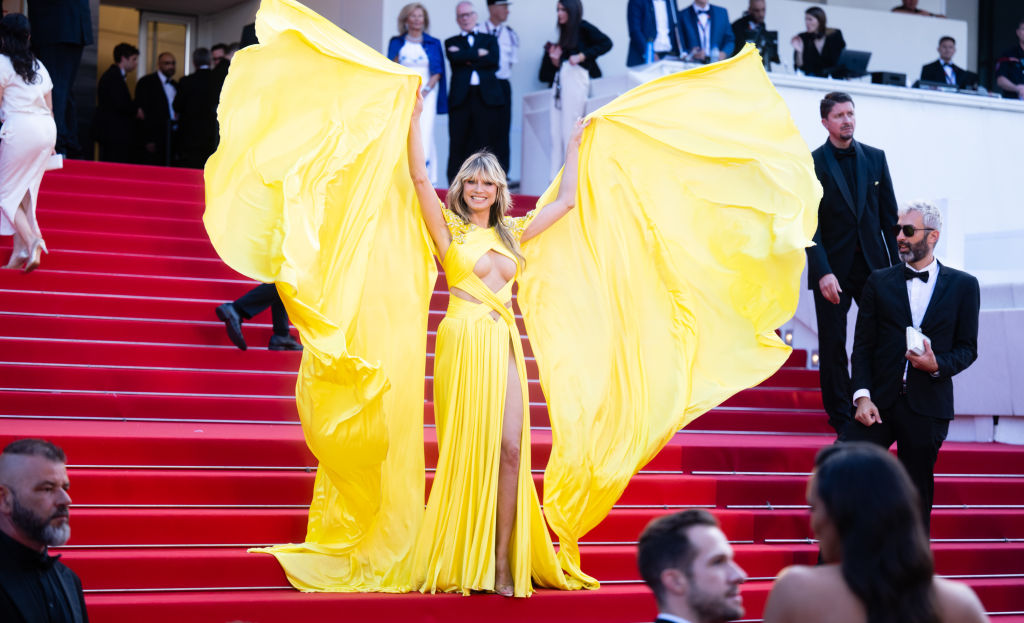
455, 552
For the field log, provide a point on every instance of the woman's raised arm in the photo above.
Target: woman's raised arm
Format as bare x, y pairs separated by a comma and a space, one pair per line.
548, 214
430, 205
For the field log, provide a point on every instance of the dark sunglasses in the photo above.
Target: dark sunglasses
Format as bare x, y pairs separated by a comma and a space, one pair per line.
909, 230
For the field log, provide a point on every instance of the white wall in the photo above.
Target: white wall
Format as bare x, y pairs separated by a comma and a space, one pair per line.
226, 26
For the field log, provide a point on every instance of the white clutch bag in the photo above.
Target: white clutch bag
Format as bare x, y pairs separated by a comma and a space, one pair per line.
56, 161
915, 341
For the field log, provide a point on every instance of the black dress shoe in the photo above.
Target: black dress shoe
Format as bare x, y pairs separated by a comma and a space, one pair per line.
233, 323
283, 342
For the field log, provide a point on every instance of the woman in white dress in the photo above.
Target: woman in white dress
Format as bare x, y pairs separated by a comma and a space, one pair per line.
27, 139
415, 49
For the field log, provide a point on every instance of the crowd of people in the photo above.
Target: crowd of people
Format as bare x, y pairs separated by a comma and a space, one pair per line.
166, 122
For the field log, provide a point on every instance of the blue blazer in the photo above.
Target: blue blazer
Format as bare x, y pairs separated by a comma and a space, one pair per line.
721, 30
643, 28
435, 54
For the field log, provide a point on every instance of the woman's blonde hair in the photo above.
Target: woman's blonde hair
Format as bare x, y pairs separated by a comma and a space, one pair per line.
403, 16
484, 165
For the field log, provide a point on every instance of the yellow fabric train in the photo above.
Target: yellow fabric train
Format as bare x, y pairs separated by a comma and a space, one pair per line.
653, 301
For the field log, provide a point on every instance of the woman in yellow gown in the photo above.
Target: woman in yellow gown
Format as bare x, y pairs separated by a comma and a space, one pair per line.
483, 528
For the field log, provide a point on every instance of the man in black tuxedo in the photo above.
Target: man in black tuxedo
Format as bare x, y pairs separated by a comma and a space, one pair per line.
196, 106
688, 563
154, 95
116, 112
60, 31
854, 237
902, 396
475, 98
943, 70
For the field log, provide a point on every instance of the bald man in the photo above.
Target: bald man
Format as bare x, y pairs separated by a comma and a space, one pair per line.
34, 503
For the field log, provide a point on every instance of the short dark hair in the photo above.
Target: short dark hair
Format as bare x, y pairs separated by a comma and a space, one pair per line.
947, 38
36, 447
201, 57
664, 544
124, 50
219, 46
831, 99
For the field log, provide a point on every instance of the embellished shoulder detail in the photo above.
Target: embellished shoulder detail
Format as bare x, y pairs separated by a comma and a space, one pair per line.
518, 224
457, 227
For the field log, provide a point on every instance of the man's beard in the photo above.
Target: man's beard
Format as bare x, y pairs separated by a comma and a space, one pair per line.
40, 529
713, 607
916, 251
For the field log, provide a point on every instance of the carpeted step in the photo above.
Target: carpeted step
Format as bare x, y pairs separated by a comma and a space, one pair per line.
119, 487
58, 239
123, 187
194, 567
99, 261
117, 171
132, 224
115, 205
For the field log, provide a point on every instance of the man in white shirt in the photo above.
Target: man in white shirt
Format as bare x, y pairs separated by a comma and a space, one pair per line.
904, 396
508, 47
688, 563
154, 95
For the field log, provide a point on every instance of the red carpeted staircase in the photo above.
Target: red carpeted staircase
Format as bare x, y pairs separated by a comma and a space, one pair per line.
184, 451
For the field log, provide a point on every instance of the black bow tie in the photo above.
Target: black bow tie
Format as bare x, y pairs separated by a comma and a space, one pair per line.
845, 153
705, 11
909, 273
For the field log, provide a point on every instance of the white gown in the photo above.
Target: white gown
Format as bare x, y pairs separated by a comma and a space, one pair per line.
26, 140
413, 56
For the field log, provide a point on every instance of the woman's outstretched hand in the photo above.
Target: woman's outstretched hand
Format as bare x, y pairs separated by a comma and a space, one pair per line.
577, 131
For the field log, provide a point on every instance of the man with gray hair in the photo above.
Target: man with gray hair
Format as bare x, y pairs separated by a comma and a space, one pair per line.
917, 327
34, 502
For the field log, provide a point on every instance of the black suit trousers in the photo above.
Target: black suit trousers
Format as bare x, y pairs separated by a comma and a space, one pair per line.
61, 61
258, 299
833, 363
918, 440
501, 130
471, 127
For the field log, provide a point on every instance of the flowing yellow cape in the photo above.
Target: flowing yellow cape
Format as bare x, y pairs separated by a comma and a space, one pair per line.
652, 302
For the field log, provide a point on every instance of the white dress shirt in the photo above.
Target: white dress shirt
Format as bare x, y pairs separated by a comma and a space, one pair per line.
662, 42
508, 46
672, 618
169, 92
474, 78
919, 294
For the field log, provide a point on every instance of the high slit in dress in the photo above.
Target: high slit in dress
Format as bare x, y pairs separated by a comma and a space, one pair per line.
455, 550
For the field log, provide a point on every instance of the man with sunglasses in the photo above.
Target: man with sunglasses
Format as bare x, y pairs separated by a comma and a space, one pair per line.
853, 238
903, 395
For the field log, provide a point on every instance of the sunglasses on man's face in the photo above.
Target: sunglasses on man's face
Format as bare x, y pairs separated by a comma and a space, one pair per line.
909, 230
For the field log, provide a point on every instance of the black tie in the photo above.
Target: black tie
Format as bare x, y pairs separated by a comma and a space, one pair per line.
705, 11
909, 273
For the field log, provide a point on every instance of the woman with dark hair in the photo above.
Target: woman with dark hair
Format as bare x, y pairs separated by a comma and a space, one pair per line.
568, 65
415, 49
877, 567
483, 528
816, 51
27, 139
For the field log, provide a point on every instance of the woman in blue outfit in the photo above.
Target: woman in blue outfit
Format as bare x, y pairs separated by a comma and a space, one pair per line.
415, 49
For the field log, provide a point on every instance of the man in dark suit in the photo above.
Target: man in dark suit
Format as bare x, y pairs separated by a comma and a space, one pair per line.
906, 396
34, 502
154, 95
688, 563
196, 106
254, 302
854, 237
651, 22
706, 32
475, 98
116, 112
943, 70
60, 31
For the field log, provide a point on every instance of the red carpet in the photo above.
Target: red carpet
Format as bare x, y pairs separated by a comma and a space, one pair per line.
184, 451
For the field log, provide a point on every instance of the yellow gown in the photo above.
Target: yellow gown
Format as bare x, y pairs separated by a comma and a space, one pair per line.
455, 551
651, 302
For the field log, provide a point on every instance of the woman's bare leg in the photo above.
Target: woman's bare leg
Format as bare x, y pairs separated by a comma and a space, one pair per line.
25, 234
508, 478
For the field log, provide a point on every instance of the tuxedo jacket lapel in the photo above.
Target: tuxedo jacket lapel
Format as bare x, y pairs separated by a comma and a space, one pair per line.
838, 177
941, 283
862, 178
898, 290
